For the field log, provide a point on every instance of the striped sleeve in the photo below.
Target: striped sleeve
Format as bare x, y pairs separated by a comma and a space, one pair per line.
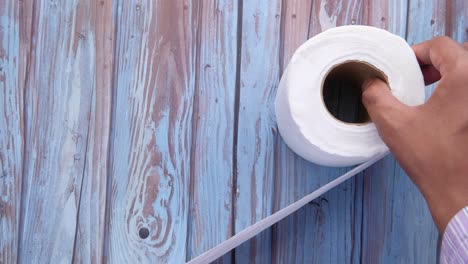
454, 248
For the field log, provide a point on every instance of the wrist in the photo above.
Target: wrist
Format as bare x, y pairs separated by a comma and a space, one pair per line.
445, 203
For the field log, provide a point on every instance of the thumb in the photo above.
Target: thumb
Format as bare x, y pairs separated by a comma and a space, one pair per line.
386, 111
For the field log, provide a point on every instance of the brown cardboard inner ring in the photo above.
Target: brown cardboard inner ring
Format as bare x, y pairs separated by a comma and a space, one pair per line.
341, 90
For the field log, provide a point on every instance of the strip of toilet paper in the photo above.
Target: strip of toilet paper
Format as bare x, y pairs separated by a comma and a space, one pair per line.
307, 126
304, 122
253, 230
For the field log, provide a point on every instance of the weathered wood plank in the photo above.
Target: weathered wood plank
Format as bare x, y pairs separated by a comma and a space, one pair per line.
258, 79
11, 130
385, 14
289, 238
59, 85
152, 131
397, 226
327, 230
210, 218
89, 245
331, 13
295, 28
418, 29
457, 20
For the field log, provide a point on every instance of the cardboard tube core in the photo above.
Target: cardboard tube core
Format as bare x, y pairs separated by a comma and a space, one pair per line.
341, 90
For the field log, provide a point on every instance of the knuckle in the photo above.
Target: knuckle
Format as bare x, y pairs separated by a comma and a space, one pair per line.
446, 52
441, 43
458, 73
370, 95
442, 40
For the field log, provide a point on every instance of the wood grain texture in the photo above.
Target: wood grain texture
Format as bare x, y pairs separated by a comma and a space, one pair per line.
89, 245
151, 139
59, 84
210, 218
258, 79
457, 20
331, 13
116, 116
418, 27
325, 231
11, 130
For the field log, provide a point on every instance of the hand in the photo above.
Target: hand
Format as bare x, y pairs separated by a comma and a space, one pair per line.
430, 141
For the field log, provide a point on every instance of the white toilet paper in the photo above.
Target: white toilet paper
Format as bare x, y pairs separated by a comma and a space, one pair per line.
305, 123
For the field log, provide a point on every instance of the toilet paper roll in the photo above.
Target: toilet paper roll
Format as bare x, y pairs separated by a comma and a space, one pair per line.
342, 58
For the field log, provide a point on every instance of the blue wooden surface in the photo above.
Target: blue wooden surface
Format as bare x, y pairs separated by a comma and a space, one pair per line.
150, 152
11, 132
119, 117
258, 78
327, 224
58, 88
211, 181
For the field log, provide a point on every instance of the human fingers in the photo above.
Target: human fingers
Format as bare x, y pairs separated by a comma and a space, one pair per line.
385, 110
440, 52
